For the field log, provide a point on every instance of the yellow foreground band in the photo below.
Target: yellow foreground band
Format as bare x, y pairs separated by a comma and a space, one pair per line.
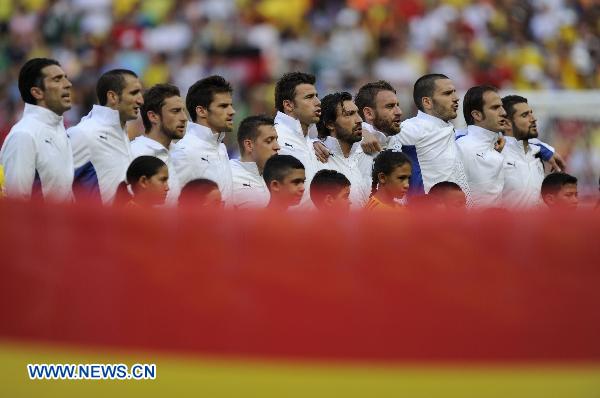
206, 377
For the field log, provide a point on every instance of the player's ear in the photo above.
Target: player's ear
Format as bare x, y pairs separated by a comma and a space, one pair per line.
112, 98
288, 106
369, 113
248, 145
330, 126
201, 112
143, 181
274, 186
549, 199
153, 117
427, 103
37, 93
328, 200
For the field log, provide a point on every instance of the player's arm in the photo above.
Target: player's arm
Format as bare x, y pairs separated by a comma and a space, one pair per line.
321, 151
19, 165
548, 154
369, 143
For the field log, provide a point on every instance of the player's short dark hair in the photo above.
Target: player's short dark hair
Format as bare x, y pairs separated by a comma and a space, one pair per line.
248, 129
329, 105
473, 101
113, 80
195, 191
509, 102
202, 93
555, 181
366, 95
154, 99
442, 187
285, 88
425, 87
31, 76
326, 182
278, 167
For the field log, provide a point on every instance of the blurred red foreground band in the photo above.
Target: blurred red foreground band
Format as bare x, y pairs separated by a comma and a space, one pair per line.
424, 286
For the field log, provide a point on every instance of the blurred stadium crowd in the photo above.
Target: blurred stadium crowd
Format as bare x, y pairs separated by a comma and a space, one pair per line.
514, 45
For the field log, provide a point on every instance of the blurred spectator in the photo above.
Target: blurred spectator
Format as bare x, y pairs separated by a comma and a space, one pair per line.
537, 44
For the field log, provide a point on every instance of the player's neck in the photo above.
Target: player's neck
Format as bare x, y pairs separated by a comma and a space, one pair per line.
159, 137
247, 158
435, 115
203, 122
346, 147
304, 128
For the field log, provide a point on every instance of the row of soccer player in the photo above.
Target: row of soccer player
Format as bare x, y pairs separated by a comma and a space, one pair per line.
496, 161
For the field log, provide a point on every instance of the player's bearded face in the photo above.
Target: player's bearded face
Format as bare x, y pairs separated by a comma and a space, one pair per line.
348, 124
220, 113
306, 104
444, 100
387, 113
173, 117
524, 123
56, 89
131, 99
444, 110
494, 115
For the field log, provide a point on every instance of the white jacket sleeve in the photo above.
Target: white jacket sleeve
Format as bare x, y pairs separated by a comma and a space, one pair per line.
536, 141
79, 145
546, 150
408, 136
409, 133
19, 159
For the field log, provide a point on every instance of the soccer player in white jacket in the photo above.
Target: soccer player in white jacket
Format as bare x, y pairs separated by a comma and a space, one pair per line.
36, 155
257, 140
298, 107
523, 168
481, 148
165, 120
201, 153
341, 130
101, 146
429, 139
